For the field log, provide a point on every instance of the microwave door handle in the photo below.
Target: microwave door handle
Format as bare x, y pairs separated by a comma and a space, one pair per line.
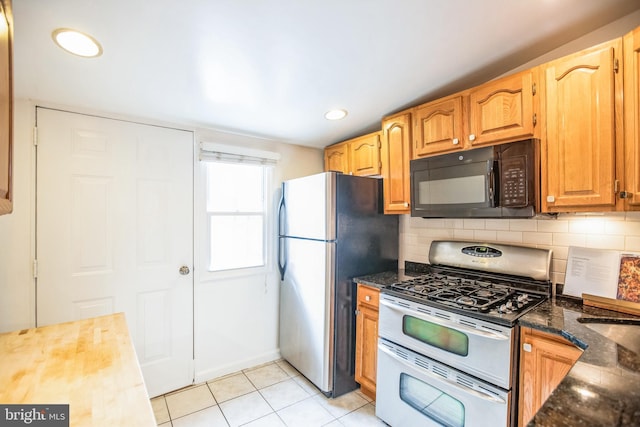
447, 323
492, 182
449, 381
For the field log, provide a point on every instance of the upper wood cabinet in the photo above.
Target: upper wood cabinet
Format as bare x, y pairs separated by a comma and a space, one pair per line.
336, 158
501, 110
583, 98
364, 154
545, 359
6, 106
631, 52
395, 154
358, 156
504, 109
439, 127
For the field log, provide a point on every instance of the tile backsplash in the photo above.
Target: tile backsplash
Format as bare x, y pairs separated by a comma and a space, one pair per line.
617, 231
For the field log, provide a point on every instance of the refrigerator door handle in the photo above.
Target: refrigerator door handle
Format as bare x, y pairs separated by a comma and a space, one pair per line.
282, 258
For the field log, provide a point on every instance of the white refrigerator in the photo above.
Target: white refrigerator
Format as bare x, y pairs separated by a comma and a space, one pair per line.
331, 229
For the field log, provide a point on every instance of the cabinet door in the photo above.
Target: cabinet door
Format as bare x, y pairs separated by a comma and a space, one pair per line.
579, 149
365, 154
632, 118
396, 154
336, 158
544, 361
6, 108
502, 110
367, 339
439, 127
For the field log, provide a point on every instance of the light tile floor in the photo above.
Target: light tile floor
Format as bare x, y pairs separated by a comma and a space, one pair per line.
269, 395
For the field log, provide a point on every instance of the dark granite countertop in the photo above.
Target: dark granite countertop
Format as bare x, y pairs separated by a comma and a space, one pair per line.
603, 387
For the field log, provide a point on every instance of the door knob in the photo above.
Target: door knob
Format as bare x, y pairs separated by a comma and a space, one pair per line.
184, 270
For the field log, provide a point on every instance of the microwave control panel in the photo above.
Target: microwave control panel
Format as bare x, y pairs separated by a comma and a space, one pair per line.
516, 174
514, 182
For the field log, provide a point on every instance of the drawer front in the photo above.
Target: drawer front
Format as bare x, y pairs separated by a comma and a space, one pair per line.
369, 296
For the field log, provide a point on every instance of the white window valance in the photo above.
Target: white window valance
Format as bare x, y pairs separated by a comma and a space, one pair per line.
210, 151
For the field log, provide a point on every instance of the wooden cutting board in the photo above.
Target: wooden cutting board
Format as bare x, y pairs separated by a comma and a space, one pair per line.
611, 304
89, 364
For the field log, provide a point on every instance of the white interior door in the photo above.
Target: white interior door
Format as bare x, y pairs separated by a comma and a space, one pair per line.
114, 227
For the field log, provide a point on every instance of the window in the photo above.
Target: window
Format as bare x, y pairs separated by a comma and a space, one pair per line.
236, 206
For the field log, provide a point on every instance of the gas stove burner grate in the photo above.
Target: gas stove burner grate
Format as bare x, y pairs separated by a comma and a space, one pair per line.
482, 295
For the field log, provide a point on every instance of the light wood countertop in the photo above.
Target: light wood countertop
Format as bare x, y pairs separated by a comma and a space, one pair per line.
89, 364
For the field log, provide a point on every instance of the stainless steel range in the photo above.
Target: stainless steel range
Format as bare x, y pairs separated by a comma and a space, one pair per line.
448, 339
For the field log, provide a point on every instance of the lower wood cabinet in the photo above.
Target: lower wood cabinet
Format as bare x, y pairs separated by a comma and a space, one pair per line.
367, 338
545, 359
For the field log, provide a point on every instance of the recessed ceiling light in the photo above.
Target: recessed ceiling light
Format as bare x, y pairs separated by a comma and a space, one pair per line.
77, 43
335, 114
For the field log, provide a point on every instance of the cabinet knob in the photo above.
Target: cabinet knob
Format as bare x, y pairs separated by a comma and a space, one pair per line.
367, 298
526, 347
406, 204
455, 141
472, 137
184, 270
551, 199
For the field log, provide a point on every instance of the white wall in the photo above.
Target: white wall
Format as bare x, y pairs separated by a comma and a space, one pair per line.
17, 249
17, 300
608, 32
236, 316
617, 231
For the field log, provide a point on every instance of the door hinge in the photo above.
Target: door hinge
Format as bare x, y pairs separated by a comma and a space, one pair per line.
535, 119
534, 89
616, 183
616, 65
35, 136
35, 268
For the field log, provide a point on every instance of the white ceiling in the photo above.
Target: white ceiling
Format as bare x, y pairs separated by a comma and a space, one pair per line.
271, 68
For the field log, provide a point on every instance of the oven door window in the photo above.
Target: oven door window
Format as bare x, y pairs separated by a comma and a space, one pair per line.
436, 335
431, 401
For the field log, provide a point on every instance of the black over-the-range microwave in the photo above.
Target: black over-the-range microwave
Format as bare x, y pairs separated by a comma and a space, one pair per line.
500, 181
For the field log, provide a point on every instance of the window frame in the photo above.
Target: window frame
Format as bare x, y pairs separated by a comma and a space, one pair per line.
203, 240
264, 214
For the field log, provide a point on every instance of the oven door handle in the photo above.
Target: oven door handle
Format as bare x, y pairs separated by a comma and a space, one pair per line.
464, 389
487, 334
